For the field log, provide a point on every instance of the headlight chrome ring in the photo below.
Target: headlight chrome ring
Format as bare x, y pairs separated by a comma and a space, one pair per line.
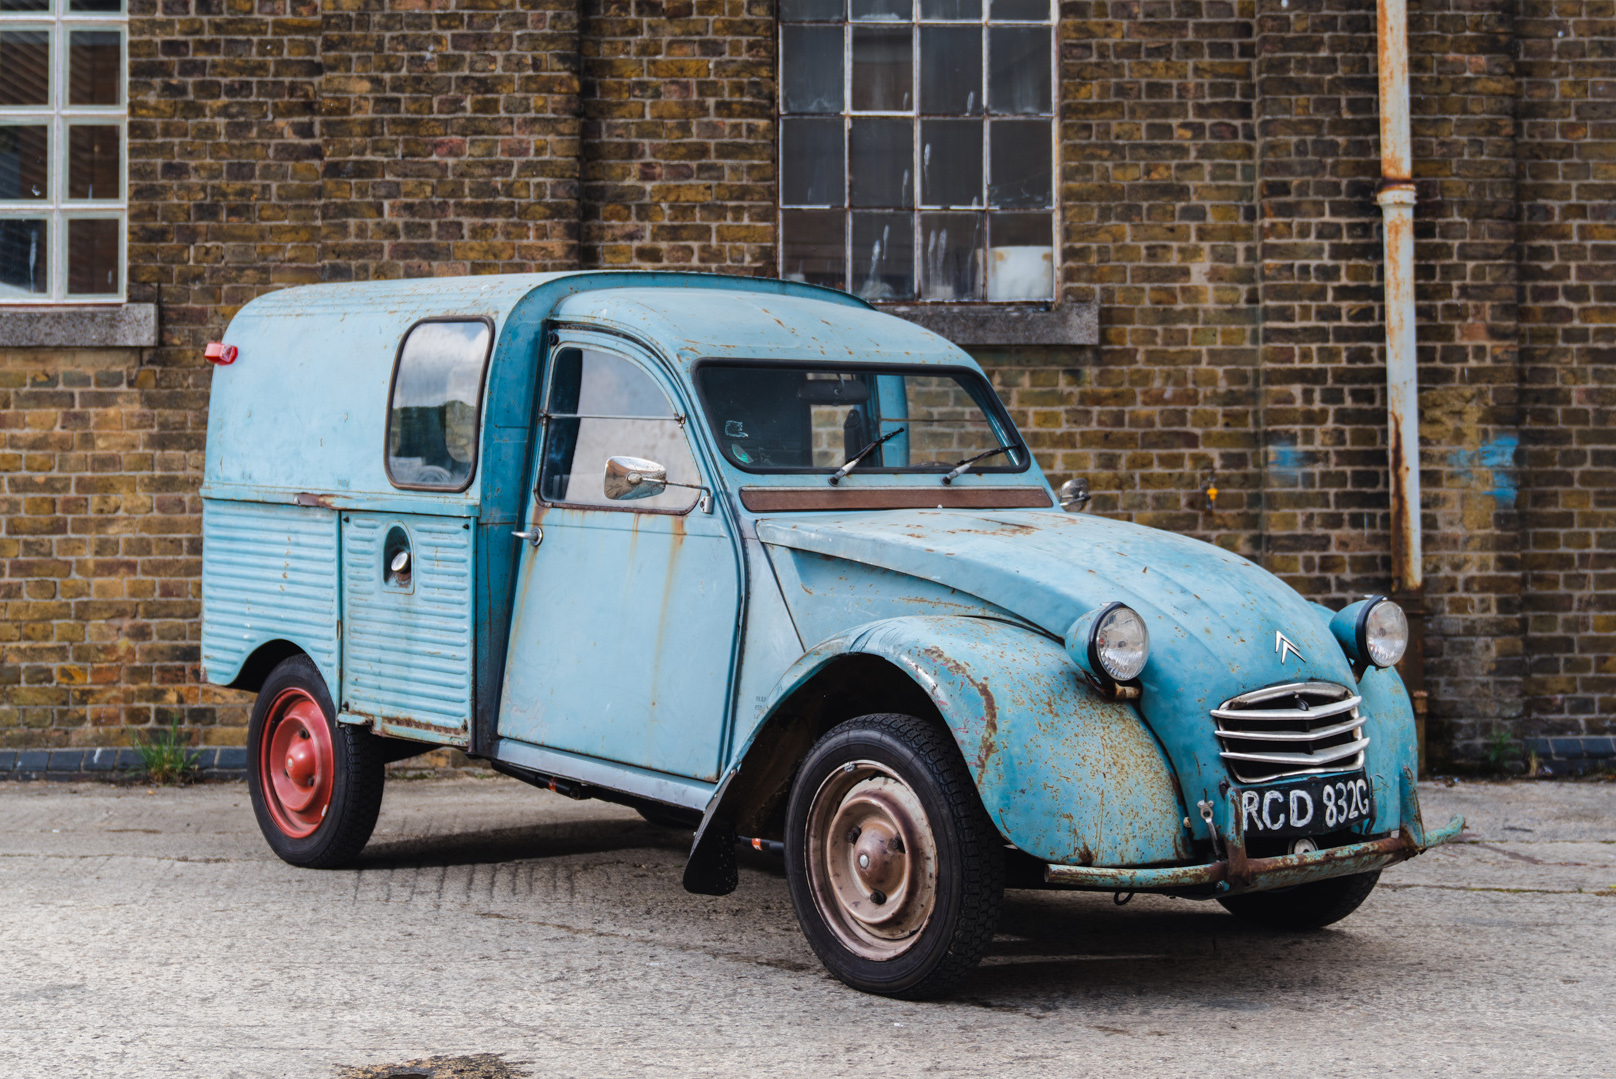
1119, 642
1382, 632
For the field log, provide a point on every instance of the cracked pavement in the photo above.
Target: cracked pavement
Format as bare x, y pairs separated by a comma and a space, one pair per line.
152, 933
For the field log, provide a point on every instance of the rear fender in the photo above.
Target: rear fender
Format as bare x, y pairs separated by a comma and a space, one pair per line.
1067, 775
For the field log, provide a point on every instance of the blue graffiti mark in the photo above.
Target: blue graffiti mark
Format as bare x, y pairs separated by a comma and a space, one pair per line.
1284, 457
1497, 459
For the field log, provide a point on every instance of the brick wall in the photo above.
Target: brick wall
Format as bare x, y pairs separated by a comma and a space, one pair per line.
1217, 178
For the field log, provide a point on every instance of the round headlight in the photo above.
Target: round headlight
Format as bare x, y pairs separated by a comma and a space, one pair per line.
1383, 633
1120, 643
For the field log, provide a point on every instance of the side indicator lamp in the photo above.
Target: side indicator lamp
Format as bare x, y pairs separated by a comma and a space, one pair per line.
221, 354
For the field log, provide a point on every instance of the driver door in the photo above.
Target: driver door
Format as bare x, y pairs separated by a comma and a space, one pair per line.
623, 635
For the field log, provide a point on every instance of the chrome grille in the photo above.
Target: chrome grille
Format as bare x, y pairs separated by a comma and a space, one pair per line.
1295, 729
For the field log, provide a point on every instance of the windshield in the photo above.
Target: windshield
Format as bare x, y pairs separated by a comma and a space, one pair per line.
791, 418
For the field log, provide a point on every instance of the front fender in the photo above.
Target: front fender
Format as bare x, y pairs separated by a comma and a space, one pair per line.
1067, 775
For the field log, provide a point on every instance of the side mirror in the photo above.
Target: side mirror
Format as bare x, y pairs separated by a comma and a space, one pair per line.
635, 477
1074, 495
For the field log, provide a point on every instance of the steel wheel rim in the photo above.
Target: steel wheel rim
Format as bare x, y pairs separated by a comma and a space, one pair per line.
296, 763
872, 860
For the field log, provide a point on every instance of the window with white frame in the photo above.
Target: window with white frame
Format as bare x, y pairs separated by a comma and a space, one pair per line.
917, 148
63, 113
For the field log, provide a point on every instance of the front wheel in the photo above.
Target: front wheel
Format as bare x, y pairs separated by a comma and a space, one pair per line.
1306, 906
316, 784
895, 871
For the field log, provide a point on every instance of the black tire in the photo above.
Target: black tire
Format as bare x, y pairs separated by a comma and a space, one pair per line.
1306, 906
966, 857
356, 770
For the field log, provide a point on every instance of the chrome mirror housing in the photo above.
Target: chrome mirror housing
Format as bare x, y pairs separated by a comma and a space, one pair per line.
634, 477
1074, 495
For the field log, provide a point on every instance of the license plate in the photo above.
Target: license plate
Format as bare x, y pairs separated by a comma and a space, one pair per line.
1311, 806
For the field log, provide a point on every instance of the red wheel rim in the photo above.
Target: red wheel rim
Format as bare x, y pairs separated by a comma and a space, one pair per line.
296, 764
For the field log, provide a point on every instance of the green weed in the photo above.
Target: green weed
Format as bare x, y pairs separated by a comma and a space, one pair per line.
164, 756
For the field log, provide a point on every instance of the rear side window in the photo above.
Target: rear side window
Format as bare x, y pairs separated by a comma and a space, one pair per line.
437, 392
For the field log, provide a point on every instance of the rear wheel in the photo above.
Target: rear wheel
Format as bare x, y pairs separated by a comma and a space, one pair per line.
316, 784
1306, 906
894, 868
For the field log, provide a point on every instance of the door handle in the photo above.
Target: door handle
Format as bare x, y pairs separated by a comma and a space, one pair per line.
534, 537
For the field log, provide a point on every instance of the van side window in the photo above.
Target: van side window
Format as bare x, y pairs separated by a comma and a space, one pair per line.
437, 389
603, 406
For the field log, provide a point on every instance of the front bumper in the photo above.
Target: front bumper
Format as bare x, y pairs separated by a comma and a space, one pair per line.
1235, 873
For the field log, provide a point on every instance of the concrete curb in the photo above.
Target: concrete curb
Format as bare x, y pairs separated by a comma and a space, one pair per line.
108, 763
1575, 755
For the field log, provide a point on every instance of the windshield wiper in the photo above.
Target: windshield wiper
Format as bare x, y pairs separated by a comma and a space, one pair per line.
962, 467
852, 462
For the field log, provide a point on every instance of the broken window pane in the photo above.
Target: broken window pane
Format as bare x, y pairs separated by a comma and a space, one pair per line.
1018, 70
1021, 262
951, 70
951, 256
883, 69
812, 167
24, 67
883, 162
951, 162
1020, 173
883, 262
92, 162
23, 265
813, 246
23, 155
811, 69
94, 67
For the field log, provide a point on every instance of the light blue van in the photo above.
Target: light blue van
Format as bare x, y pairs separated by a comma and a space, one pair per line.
764, 563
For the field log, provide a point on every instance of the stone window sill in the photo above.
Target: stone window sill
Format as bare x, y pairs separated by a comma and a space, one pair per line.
991, 324
129, 325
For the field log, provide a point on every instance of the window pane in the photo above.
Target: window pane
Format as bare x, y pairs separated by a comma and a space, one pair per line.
882, 9
951, 256
810, 10
92, 162
23, 153
24, 67
812, 169
883, 256
604, 406
951, 70
951, 162
1018, 70
1019, 9
1020, 176
1021, 263
813, 243
811, 69
92, 256
950, 9
883, 69
883, 163
98, 7
23, 269
432, 426
25, 5
94, 67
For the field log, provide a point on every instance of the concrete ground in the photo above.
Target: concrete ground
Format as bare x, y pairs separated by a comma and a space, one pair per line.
151, 933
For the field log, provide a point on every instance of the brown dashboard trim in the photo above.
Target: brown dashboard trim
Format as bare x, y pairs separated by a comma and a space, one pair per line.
776, 499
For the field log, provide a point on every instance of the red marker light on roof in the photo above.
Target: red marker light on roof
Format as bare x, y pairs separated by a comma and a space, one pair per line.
220, 353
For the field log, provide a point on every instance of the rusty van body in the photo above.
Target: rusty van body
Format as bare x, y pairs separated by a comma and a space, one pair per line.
767, 564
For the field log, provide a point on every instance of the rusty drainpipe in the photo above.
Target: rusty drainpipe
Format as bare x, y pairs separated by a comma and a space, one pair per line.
1396, 198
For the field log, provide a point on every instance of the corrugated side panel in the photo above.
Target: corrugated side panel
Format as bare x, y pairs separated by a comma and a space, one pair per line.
408, 654
268, 572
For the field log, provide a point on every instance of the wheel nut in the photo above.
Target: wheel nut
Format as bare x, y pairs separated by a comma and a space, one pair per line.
853, 833
878, 897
